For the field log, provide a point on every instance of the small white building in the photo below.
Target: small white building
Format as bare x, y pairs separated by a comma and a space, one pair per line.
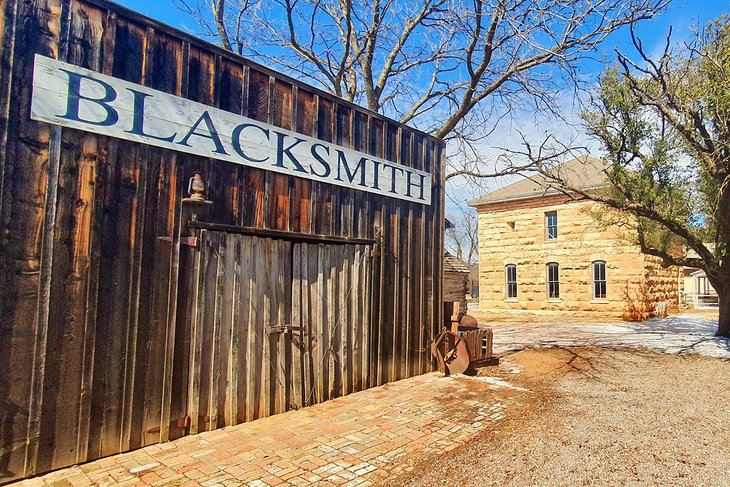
698, 291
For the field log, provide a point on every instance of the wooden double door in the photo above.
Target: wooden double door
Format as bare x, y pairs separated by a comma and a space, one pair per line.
267, 325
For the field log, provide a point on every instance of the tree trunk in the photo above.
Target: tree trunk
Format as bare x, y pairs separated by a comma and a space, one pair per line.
723, 325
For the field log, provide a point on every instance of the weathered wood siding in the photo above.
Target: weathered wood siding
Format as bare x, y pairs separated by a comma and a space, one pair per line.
97, 332
456, 286
278, 325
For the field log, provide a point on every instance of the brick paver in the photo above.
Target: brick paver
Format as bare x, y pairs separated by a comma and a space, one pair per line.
361, 439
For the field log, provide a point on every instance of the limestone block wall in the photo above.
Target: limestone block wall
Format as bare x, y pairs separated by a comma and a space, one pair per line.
514, 233
664, 284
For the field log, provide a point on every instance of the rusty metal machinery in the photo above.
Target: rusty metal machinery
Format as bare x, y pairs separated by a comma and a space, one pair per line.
465, 345
450, 352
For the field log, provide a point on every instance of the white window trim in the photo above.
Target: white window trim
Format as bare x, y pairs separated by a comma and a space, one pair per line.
507, 297
547, 282
548, 238
598, 299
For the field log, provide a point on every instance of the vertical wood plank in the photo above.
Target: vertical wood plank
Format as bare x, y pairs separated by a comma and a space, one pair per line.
324, 202
8, 32
433, 151
233, 264
367, 293
379, 360
78, 184
256, 325
301, 199
196, 338
347, 294
331, 275
124, 205
243, 306
219, 322
405, 281
346, 199
356, 317
282, 107
322, 318
419, 301
269, 347
51, 35
309, 318
139, 332
277, 340
257, 103
284, 282
298, 339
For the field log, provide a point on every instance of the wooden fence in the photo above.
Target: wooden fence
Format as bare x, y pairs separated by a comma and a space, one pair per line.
116, 333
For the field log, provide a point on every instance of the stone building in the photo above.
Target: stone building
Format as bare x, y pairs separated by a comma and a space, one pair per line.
542, 253
698, 291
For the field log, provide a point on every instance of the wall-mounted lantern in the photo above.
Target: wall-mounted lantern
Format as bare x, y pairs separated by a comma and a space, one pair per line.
196, 200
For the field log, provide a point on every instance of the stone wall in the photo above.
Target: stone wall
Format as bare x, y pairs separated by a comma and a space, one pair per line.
664, 284
515, 234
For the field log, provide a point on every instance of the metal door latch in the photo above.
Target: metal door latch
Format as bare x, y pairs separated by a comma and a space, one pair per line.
189, 241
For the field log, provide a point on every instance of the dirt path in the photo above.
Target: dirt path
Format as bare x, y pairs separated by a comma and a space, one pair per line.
600, 417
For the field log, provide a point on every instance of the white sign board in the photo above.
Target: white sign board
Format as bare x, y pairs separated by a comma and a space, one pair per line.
75, 97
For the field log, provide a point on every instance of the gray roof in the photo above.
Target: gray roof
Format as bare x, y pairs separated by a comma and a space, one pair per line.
452, 264
583, 172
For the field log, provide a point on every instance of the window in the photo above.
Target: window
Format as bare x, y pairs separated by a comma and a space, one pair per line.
553, 280
511, 274
551, 225
599, 279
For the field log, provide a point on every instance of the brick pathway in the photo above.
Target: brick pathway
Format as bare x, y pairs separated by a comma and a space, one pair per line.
361, 439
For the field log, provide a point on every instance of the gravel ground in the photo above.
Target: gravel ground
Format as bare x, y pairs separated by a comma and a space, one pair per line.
600, 417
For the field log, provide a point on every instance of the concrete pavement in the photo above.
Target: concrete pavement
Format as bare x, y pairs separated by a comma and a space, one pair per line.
684, 333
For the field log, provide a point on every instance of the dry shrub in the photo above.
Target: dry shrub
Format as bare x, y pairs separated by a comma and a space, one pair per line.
639, 306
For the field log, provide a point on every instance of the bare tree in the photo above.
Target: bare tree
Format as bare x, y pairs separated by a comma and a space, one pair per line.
450, 67
462, 237
462, 240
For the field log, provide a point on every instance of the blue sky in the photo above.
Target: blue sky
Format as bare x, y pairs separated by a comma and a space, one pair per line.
681, 16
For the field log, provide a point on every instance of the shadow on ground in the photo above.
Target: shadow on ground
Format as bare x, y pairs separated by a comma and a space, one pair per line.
679, 334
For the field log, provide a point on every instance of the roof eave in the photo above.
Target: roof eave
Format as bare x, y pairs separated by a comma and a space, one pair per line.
476, 204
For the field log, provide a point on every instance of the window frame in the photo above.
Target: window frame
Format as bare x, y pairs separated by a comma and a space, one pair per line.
548, 227
596, 279
553, 286
510, 285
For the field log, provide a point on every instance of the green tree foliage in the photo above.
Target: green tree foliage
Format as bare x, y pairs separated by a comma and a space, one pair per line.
664, 125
